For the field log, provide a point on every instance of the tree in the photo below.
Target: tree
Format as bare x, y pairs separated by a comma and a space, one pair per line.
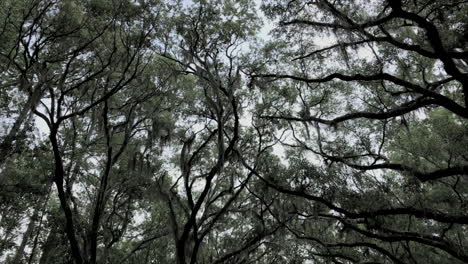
372, 113
78, 54
213, 184
157, 131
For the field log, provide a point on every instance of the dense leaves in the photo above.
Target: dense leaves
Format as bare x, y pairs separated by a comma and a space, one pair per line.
159, 131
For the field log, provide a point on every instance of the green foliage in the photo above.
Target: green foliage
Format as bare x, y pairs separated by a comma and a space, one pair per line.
156, 131
444, 137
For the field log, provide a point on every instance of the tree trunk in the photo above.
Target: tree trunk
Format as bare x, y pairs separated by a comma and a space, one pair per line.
38, 231
20, 251
6, 146
49, 246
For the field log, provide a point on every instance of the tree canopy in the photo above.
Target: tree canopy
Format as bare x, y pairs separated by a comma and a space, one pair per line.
167, 131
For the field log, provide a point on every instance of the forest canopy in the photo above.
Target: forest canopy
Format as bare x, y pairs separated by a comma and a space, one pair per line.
233, 131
